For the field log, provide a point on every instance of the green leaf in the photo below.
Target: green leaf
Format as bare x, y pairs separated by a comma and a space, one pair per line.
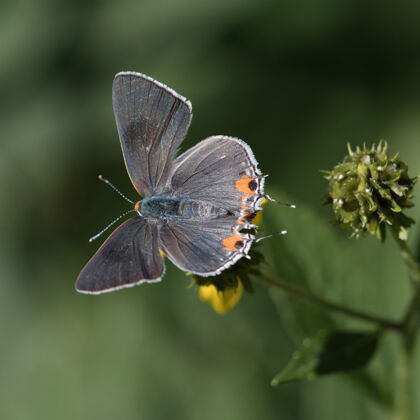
346, 351
329, 352
304, 361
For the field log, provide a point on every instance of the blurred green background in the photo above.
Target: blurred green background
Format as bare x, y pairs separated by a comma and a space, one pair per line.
295, 80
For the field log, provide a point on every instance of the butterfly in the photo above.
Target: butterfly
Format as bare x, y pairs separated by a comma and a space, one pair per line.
196, 208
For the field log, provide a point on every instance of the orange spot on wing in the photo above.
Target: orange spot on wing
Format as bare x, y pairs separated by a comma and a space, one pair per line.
137, 206
231, 241
243, 185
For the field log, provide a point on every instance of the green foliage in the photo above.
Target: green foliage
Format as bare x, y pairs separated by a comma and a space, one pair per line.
313, 257
345, 350
292, 79
328, 352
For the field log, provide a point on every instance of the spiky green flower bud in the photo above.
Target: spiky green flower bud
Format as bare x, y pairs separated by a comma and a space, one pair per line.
369, 190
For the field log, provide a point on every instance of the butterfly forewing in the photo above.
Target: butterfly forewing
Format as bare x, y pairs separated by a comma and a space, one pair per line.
152, 121
222, 170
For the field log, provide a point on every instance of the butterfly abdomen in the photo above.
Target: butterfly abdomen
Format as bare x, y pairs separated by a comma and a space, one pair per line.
200, 210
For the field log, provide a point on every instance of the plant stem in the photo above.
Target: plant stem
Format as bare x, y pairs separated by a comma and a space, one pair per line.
383, 322
410, 325
402, 410
411, 319
408, 257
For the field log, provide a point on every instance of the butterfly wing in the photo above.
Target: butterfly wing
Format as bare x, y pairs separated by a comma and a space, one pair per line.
221, 171
197, 247
130, 256
152, 121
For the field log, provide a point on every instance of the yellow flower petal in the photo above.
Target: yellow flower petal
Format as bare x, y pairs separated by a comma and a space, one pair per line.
221, 301
258, 216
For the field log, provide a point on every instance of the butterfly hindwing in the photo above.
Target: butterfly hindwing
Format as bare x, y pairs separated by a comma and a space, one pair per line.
220, 171
128, 257
203, 247
152, 121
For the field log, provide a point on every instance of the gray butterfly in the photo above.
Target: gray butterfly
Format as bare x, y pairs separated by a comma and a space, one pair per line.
197, 208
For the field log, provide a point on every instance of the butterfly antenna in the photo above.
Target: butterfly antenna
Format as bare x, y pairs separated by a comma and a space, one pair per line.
282, 232
101, 178
267, 197
112, 223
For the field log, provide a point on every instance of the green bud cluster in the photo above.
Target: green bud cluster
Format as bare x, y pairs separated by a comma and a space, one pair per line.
369, 190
